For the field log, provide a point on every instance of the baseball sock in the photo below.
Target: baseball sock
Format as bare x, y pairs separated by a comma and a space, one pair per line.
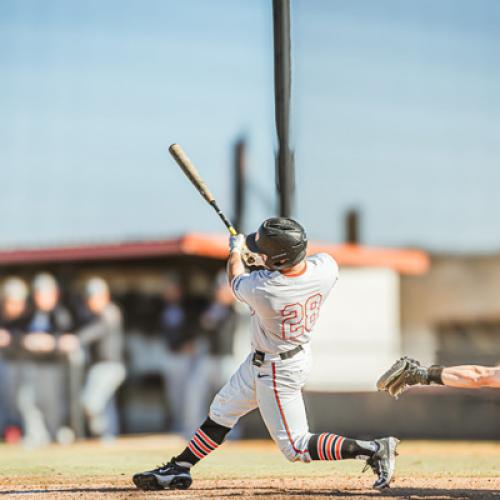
328, 446
206, 439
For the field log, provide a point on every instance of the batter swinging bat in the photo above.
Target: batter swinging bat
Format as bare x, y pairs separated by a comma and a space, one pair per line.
192, 174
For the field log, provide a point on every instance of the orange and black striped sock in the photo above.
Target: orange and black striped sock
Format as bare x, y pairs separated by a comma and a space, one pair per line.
205, 440
327, 446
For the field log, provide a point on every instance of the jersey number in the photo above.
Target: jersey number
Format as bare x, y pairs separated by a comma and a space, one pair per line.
298, 318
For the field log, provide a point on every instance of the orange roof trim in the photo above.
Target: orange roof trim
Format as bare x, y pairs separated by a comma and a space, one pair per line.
214, 246
401, 260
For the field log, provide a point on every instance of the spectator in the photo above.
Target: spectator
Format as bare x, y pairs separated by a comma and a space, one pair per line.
216, 326
51, 323
13, 312
219, 321
176, 328
102, 336
13, 316
42, 398
173, 320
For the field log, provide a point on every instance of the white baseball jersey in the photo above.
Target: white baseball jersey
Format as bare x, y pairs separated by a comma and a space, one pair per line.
285, 308
284, 312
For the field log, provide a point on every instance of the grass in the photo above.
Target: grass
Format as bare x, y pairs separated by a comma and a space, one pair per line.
236, 460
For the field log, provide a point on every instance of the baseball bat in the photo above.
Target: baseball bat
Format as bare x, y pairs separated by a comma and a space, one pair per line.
193, 175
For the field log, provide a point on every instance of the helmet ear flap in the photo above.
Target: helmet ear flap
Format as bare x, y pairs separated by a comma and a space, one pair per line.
282, 261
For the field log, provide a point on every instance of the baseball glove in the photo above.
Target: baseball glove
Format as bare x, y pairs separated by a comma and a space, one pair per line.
401, 375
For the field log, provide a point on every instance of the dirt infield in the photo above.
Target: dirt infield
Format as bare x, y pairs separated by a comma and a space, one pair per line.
270, 489
246, 470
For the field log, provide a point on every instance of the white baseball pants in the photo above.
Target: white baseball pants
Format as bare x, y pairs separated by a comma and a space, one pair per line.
276, 389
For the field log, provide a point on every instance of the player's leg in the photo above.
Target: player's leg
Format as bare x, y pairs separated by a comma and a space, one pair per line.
103, 380
233, 401
279, 396
471, 376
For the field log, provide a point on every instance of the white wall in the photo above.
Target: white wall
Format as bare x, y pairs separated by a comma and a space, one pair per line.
358, 334
463, 288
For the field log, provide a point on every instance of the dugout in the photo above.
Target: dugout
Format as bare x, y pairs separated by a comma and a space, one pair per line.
359, 334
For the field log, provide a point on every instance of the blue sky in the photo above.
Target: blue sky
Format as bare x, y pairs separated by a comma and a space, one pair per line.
396, 110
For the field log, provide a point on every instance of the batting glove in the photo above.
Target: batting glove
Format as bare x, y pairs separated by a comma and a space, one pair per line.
236, 243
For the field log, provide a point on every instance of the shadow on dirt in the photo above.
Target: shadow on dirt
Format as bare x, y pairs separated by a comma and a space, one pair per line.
403, 493
46, 491
282, 493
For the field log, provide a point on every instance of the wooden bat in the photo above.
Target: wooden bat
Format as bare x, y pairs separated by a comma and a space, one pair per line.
193, 175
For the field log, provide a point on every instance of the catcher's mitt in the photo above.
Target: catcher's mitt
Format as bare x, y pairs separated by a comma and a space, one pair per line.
402, 374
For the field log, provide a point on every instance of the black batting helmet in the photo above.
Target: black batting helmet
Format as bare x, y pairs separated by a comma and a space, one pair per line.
282, 240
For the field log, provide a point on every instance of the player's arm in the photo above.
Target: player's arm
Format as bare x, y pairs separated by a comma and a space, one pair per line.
92, 332
330, 272
406, 372
235, 265
471, 376
242, 282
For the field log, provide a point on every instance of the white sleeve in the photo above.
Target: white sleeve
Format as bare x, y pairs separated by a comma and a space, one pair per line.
246, 287
243, 288
331, 274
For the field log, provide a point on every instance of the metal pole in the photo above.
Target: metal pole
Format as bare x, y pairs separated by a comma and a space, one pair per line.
285, 178
351, 224
239, 181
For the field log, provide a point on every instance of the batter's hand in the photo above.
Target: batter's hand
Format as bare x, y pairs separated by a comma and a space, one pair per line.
236, 243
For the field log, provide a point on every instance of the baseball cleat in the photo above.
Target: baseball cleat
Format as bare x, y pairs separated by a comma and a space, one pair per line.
383, 462
167, 476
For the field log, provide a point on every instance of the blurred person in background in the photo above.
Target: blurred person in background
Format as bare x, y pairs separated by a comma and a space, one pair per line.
175, 329
187, 371
42, 397
13, 320
13, 310
407, 372
50, 325
102, 337
219, 321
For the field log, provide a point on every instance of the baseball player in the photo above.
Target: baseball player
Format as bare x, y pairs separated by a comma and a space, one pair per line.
285, 301
406, 372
